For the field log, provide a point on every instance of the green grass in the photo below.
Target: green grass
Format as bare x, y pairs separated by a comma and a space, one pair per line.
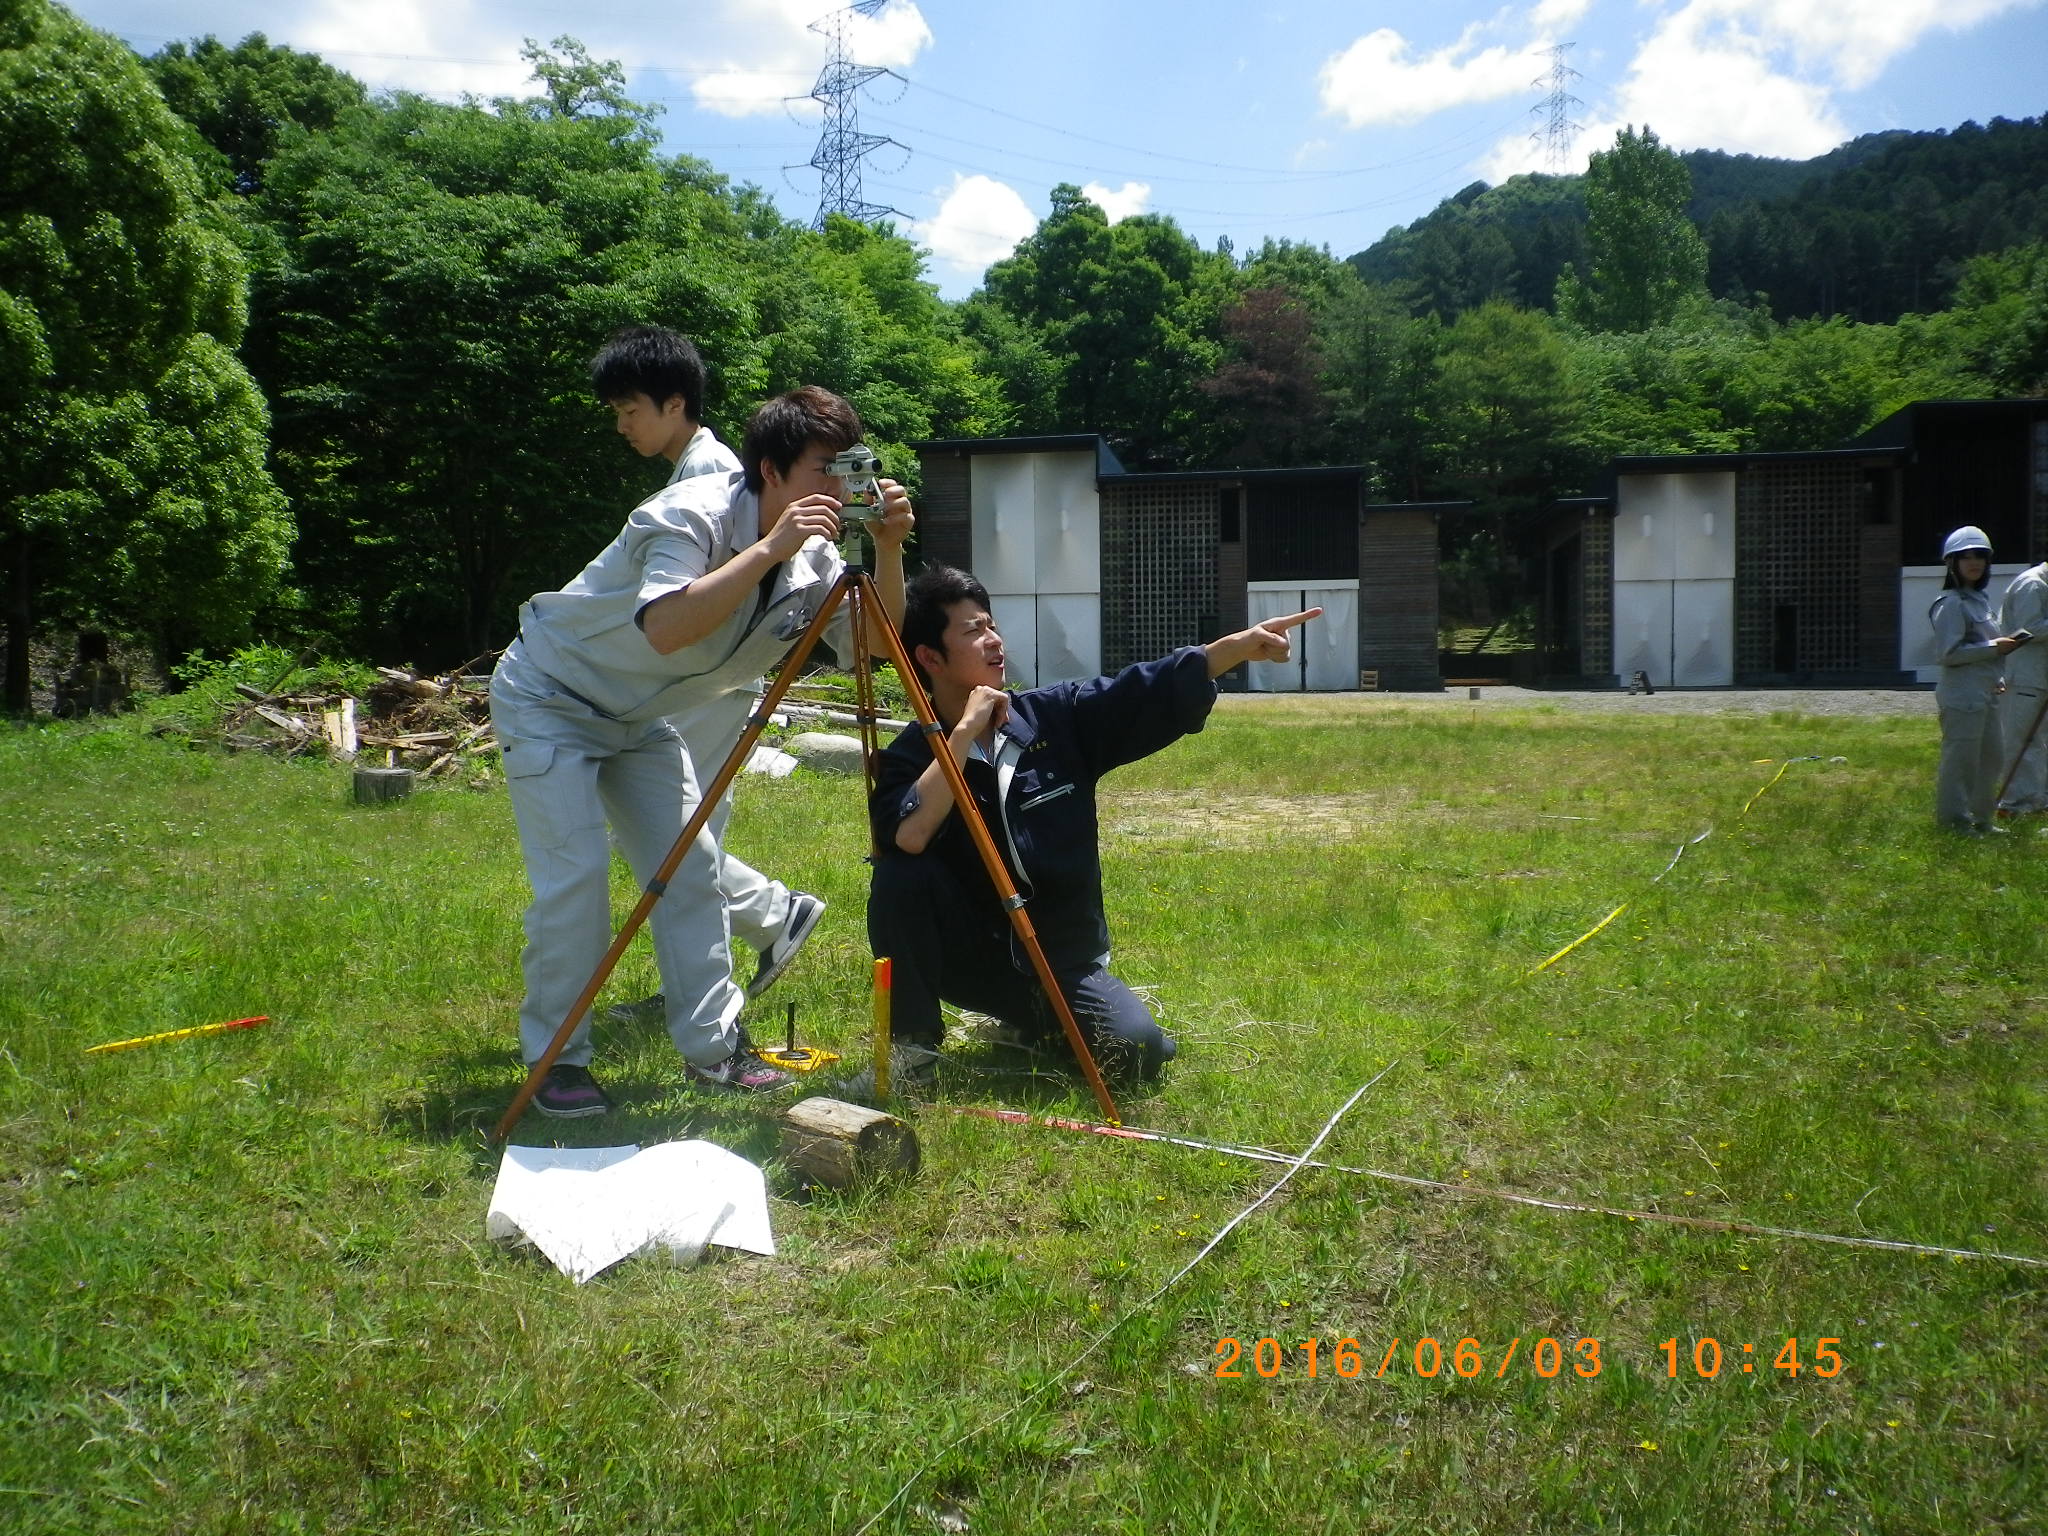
244, 1284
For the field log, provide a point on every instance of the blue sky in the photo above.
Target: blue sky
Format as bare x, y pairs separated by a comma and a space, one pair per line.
1308, 121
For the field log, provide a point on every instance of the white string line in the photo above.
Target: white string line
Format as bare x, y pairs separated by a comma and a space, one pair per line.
1296, 1164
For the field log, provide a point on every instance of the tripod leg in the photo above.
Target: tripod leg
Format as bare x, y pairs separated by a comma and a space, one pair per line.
991, 860
712, 792
2014, 767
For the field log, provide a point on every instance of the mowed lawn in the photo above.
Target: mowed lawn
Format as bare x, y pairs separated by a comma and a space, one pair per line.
244, 1284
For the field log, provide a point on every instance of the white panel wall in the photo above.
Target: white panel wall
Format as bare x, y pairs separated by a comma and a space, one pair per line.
1037, 547
1069, 638
1919, 586
1674, 579
1016, 619
1702, 512
1642, 630
1325, 649
1069, 524
1702, 634
1005, 527
1329, 645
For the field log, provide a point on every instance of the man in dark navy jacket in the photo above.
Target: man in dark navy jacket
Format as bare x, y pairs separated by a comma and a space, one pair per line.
1031, 760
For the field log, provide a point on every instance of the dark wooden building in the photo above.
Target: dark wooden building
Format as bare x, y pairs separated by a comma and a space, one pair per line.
1706, 570
1090, 567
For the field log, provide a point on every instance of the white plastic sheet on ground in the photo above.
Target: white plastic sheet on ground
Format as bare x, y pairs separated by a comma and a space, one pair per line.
586, 1208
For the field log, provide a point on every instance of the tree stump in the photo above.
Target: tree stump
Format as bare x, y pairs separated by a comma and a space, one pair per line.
375, 785
840, 1145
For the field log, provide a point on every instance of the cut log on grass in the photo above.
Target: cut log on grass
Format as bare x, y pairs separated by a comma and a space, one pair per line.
375, 785
840, 1145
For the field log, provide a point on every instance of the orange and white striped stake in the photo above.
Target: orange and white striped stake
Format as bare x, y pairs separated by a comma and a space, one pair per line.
883, 984
178, 1034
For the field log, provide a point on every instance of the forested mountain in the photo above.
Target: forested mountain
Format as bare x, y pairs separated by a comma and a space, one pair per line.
1872, 230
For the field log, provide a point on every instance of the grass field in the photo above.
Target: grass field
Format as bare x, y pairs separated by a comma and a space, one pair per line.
244, 1284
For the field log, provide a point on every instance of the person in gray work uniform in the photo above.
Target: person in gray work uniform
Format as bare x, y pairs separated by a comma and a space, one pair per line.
653, 379
1970, 649
706, 588
2025, 608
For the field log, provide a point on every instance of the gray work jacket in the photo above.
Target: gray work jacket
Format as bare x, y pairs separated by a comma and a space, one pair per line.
587, 636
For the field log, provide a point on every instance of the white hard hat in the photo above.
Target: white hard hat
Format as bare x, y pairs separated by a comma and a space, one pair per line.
1963, 540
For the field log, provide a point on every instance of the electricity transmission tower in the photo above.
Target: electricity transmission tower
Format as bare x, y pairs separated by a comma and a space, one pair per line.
841, 144
1556, 133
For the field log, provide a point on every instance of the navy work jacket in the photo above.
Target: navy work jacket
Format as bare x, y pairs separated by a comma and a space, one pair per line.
1038, 796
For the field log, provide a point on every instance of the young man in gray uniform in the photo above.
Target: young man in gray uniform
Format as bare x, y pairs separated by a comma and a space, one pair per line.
704, 590
1971, 653
2026, 689
653, 379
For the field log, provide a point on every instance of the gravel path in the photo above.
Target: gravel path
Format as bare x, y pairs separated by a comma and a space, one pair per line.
1702, 701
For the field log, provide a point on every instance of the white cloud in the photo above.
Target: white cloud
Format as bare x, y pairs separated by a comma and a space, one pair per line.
1748, 76
436, 49
762, 52
1121, 202
1376, 80
1556, 15
1853, 42
1705, 85
980, 220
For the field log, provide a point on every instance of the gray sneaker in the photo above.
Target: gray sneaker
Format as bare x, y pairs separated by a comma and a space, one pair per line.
913, 1069
804, 912
741, 1072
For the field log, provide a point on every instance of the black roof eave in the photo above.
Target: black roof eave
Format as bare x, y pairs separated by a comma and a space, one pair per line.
1896, 430
1722, 463
1192, 476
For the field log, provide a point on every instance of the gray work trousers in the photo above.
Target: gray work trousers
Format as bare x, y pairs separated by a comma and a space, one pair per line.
1966, 785
755, 906
570, 770
2028, 790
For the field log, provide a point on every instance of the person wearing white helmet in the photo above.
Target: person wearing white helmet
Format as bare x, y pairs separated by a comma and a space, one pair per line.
1970, 649
2025, 610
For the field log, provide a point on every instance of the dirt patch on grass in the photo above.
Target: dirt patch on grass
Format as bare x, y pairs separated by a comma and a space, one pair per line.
1241, 821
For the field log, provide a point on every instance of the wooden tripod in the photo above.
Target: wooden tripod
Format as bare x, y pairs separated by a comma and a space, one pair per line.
857, 588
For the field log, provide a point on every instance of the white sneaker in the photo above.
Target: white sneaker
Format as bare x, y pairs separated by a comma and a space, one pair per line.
804, 912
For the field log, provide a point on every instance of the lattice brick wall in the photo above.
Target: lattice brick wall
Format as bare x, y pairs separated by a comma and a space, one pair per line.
1158, 569
1797, 544
1596, 570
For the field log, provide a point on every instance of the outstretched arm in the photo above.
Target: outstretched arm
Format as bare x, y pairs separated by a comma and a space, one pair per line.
1266, 640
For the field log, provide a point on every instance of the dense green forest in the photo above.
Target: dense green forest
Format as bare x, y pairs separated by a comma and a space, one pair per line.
282, 358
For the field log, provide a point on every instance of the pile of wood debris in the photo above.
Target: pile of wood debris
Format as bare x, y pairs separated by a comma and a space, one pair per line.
433, 725
440, 726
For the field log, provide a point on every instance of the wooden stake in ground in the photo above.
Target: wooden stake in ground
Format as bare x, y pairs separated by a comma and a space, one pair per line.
882, 991
841, 1145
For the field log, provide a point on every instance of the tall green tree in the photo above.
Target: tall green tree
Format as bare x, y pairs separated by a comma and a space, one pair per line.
133, 491
1130, 312
1645, 256
435, 280
244, 100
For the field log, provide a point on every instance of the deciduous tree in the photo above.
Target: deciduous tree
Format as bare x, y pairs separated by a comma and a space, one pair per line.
133, 492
